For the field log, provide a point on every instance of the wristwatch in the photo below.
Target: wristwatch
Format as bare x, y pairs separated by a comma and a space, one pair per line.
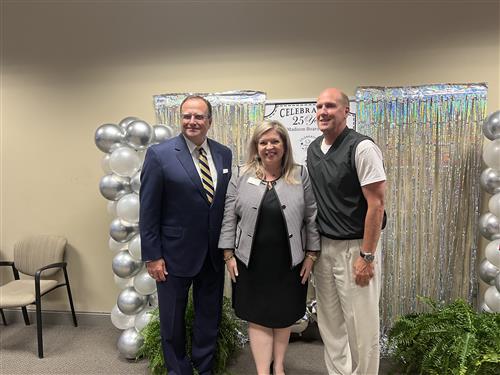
368, 257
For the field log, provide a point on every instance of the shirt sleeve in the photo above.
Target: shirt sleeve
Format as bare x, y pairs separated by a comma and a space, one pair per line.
369, 163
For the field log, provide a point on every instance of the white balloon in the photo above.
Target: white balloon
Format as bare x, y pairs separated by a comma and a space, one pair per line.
105, 164
494, 205
116, 246
124, 161
128, 208
144, 284
121, 320
134, 247
143, 318
491, 154
123, 283
492, 298
112, 208
492, 253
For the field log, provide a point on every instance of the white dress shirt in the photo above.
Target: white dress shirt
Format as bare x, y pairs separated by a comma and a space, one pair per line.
195, 155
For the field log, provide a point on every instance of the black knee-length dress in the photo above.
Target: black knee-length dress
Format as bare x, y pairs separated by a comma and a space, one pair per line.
269, 291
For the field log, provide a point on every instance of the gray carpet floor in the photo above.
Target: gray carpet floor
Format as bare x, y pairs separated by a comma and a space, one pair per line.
92, 350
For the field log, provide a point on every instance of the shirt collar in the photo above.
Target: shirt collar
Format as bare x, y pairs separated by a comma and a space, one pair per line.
192, 147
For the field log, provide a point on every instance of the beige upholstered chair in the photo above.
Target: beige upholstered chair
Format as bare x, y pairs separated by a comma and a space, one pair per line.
41, 257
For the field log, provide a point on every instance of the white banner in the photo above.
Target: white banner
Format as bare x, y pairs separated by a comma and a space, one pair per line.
299, 117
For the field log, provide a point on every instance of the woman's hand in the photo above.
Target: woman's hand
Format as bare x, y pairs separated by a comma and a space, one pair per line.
231, 265
307, 267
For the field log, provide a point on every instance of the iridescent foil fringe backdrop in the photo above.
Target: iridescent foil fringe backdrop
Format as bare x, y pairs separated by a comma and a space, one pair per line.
431, 139
235, 113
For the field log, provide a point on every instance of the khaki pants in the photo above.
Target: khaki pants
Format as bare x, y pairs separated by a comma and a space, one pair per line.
348, 315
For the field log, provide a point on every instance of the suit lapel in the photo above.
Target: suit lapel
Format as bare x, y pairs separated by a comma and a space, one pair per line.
186, 160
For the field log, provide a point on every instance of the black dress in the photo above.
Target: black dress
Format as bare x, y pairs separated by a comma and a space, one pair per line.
269, 291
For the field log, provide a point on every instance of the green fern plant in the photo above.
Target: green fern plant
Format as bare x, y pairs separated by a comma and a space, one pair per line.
450, 339
228, 341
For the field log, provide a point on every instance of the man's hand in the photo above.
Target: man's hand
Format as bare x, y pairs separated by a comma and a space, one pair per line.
363, 271
157, 269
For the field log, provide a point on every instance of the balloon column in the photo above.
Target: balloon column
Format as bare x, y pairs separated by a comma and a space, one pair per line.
124, 146
489, 223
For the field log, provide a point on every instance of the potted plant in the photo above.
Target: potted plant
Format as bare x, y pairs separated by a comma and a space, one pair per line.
449, 339
229, 341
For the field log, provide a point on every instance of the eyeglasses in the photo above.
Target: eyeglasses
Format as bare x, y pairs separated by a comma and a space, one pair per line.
188, 116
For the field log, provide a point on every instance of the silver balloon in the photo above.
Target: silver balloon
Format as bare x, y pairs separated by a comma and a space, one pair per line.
108, 137
135, 182
122, 231
153, 300
489, 226
129, 343
124, 161
490, 180
492, 298
497, 282
300, 325
143, 318
114, 187
125, 266
488, 272
491, 154
491, 126
130, 302
126, 121
120, 320
162, 133
144, 284
139, 134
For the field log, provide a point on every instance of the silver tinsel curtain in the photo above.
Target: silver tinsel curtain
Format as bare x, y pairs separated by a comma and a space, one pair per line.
431, 139
235, 113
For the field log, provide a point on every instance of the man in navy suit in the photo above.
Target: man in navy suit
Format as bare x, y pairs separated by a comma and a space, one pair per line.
182, 203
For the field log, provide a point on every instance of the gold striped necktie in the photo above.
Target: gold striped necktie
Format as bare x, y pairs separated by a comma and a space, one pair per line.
206, 176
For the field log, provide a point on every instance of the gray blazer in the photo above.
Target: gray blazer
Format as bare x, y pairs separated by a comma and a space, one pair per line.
243, 198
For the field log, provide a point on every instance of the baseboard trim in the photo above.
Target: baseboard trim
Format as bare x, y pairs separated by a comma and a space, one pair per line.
59, 318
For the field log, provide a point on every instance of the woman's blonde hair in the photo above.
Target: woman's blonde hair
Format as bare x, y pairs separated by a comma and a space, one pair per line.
253, 162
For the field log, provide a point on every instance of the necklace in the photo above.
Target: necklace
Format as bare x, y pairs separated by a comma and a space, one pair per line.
271, 183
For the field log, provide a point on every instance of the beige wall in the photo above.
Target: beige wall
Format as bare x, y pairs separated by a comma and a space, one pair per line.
66, 69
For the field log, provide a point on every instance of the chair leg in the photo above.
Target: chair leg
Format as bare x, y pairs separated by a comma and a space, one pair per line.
39, 323
3, 317
68, 288
25, 316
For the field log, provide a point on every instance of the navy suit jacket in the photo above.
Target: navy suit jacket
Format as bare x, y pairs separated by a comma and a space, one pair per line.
176, 221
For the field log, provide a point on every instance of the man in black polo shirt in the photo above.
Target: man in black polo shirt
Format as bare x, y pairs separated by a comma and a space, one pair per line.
348, 179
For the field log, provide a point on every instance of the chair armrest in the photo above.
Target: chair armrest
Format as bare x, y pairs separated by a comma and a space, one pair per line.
11, 264
39, 271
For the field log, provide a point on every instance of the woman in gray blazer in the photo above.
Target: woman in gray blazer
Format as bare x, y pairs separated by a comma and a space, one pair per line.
270, 242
